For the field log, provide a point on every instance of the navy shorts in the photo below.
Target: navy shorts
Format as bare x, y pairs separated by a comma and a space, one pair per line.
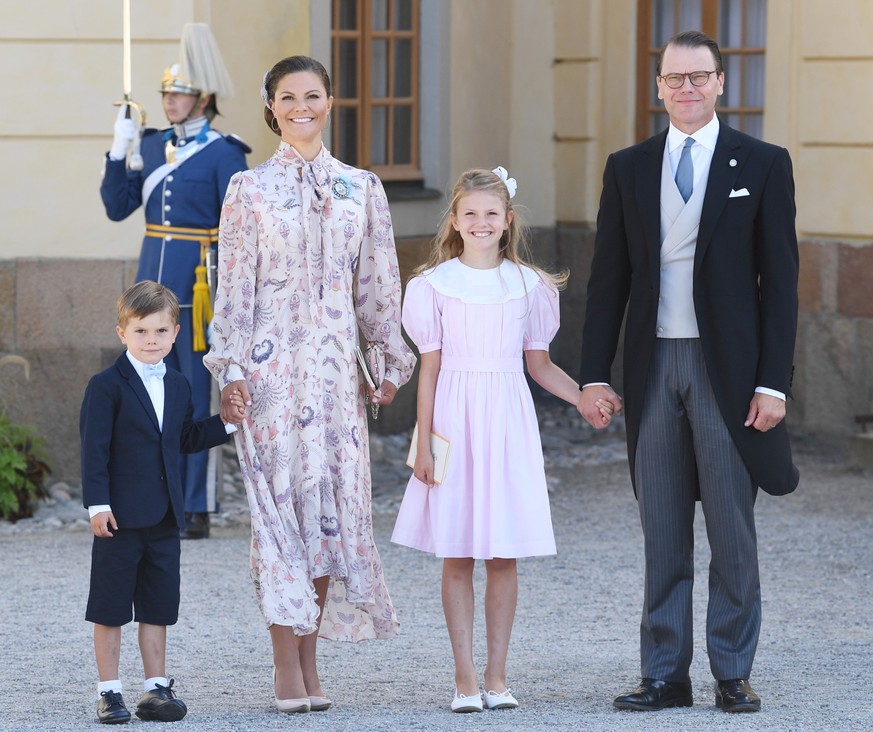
135, 576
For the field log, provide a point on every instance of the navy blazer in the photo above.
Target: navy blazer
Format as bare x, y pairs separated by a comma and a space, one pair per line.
128, 462
745, 287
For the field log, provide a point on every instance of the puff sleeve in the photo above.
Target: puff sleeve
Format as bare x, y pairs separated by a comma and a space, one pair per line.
544, 318
421, 315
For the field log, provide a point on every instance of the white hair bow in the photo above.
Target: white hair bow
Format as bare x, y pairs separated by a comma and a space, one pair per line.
503, 174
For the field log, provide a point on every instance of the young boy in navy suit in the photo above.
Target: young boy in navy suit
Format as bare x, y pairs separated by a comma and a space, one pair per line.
136, 418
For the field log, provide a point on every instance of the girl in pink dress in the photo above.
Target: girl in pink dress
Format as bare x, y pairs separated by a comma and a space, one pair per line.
473, 309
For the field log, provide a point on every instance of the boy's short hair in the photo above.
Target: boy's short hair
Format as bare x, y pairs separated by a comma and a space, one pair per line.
146, 298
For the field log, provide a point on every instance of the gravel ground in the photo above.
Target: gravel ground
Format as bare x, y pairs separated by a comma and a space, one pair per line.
575, 643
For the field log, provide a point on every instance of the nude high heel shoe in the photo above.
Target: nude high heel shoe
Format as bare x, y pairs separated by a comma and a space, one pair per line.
290, 705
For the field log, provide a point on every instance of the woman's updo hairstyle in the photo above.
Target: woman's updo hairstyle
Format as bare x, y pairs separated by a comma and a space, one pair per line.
290, 65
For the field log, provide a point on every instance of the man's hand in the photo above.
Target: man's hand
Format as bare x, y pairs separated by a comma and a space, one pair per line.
597, 403
101, 523
765, 412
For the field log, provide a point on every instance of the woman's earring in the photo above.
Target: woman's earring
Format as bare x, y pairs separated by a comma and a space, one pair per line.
274, 125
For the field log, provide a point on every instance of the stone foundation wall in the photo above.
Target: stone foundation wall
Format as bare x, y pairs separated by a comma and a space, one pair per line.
59, 315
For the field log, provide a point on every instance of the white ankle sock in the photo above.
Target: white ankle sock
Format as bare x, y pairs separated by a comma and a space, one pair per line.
114, 685
153, 682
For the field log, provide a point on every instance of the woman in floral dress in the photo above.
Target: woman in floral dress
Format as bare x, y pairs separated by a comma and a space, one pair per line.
306, 257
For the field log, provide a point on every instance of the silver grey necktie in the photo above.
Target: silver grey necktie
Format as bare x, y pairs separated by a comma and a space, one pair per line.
685, 171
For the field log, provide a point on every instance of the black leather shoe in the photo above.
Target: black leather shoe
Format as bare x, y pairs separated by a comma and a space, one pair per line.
654, 694
196, 526
736, 695
111, 709
161, 705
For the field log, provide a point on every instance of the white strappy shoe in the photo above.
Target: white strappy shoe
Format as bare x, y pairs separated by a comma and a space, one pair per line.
504, 700
463, 703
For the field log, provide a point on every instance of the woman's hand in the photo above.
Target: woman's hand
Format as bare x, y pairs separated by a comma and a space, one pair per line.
235, 398
384, 395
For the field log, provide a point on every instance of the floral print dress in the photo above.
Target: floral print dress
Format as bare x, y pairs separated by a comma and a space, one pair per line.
306, 256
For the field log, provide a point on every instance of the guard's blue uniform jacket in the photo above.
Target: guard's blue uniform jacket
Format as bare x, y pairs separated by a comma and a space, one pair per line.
189, 196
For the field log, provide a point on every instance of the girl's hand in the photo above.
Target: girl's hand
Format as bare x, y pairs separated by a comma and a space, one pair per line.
423, 469
606, 411
235, 398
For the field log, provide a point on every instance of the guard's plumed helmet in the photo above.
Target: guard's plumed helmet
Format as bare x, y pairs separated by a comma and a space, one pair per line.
200, 69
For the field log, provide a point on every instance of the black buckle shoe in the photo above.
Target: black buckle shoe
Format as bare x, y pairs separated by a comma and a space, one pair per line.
196, 526
111, 708
161, 705
736, 695
653, 695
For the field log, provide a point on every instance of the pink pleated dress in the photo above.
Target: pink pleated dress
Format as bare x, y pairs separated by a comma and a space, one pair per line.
493, 502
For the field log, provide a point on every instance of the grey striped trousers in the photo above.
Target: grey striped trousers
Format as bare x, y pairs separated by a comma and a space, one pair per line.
684, 447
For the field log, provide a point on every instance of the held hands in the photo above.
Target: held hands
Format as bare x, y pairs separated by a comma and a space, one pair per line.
597, 403
124, 133
101, 523
765, 412
235, 399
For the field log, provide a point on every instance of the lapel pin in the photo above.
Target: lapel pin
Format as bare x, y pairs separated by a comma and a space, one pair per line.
733, 163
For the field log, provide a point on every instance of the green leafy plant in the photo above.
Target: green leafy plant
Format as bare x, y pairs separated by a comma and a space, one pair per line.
23, 469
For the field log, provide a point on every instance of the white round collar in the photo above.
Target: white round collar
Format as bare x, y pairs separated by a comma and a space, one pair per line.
508, 281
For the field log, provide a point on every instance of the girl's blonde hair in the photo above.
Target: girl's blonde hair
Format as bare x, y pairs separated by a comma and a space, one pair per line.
514, 243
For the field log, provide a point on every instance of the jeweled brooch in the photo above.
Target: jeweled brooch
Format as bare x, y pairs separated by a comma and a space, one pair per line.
340, 188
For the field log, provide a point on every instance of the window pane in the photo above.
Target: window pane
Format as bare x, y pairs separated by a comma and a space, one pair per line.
402, 14
402, 143
348, 15
690, 15
653, 83
753, 80
658, 122
733, 80
731, 23
345, 120
380, 15
347, 83
379, 69
756, 23
664, 22
402, 67
379, 136
735, 121
754, 125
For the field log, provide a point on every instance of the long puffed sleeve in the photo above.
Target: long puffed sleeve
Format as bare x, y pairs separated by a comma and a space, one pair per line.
233, 324
544, 318
421, 315
377, 287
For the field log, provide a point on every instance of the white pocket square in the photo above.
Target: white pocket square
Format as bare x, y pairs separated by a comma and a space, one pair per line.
737, 194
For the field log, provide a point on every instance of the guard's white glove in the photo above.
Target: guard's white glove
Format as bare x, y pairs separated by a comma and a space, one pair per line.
124, 132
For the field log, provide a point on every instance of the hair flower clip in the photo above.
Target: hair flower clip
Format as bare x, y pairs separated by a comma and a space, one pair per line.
264, 93
510, 183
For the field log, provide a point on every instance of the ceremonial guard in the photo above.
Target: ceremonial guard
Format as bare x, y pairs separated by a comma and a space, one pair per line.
179, 175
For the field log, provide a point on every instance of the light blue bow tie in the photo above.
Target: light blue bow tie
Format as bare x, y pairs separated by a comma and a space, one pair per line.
155, 371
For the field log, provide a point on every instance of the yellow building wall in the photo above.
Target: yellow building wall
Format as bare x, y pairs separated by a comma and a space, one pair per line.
60, 71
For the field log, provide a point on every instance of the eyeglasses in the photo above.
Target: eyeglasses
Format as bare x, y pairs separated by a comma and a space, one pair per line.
677, 81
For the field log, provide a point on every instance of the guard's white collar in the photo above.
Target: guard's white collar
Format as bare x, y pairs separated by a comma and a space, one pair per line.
508, 281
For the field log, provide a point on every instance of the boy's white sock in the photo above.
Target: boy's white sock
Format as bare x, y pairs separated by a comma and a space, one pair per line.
114, 685
153, 682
